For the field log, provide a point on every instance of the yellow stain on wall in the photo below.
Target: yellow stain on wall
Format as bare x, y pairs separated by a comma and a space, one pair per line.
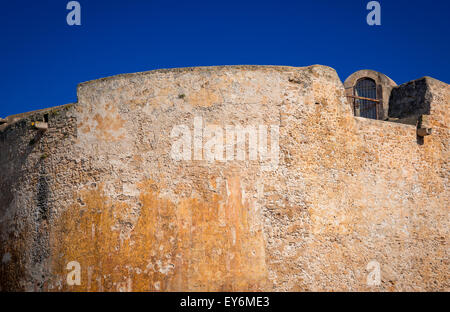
204, 98
189, 246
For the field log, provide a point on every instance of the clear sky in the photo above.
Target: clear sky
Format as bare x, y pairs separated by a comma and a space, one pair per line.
43, 59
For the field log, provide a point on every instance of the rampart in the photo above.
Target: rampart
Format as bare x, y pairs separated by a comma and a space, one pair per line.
100, 186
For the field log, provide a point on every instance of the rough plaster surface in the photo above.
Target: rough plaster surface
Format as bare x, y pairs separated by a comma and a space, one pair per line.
99, 187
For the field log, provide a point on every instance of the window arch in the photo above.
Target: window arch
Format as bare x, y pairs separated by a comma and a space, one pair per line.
378, 94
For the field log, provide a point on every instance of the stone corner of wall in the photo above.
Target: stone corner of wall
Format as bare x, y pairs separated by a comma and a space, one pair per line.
414, 98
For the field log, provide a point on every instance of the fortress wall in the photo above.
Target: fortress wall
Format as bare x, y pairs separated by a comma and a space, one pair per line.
344, 191
37, 172
380, 198
370, 192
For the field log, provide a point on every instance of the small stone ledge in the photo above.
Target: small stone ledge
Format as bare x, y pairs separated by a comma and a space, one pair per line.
367, 122
410, 120
39, 125
424, 131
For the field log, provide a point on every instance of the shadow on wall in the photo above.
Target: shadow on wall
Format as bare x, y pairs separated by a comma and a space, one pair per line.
20, 149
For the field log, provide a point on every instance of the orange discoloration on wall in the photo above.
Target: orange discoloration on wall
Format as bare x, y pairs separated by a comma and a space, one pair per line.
13, 270
107, 125
204, 98
183, 247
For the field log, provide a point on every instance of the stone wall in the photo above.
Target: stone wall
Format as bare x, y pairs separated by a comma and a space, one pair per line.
101, 187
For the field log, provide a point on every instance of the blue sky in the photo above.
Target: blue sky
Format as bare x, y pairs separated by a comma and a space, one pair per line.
43, 59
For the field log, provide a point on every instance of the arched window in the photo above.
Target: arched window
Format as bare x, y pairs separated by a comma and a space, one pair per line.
366, 89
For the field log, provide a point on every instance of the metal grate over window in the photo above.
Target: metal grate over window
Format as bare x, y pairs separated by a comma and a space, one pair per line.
365, 90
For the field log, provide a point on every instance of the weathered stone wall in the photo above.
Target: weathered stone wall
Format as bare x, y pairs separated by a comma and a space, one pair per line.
101, 187
36, 170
